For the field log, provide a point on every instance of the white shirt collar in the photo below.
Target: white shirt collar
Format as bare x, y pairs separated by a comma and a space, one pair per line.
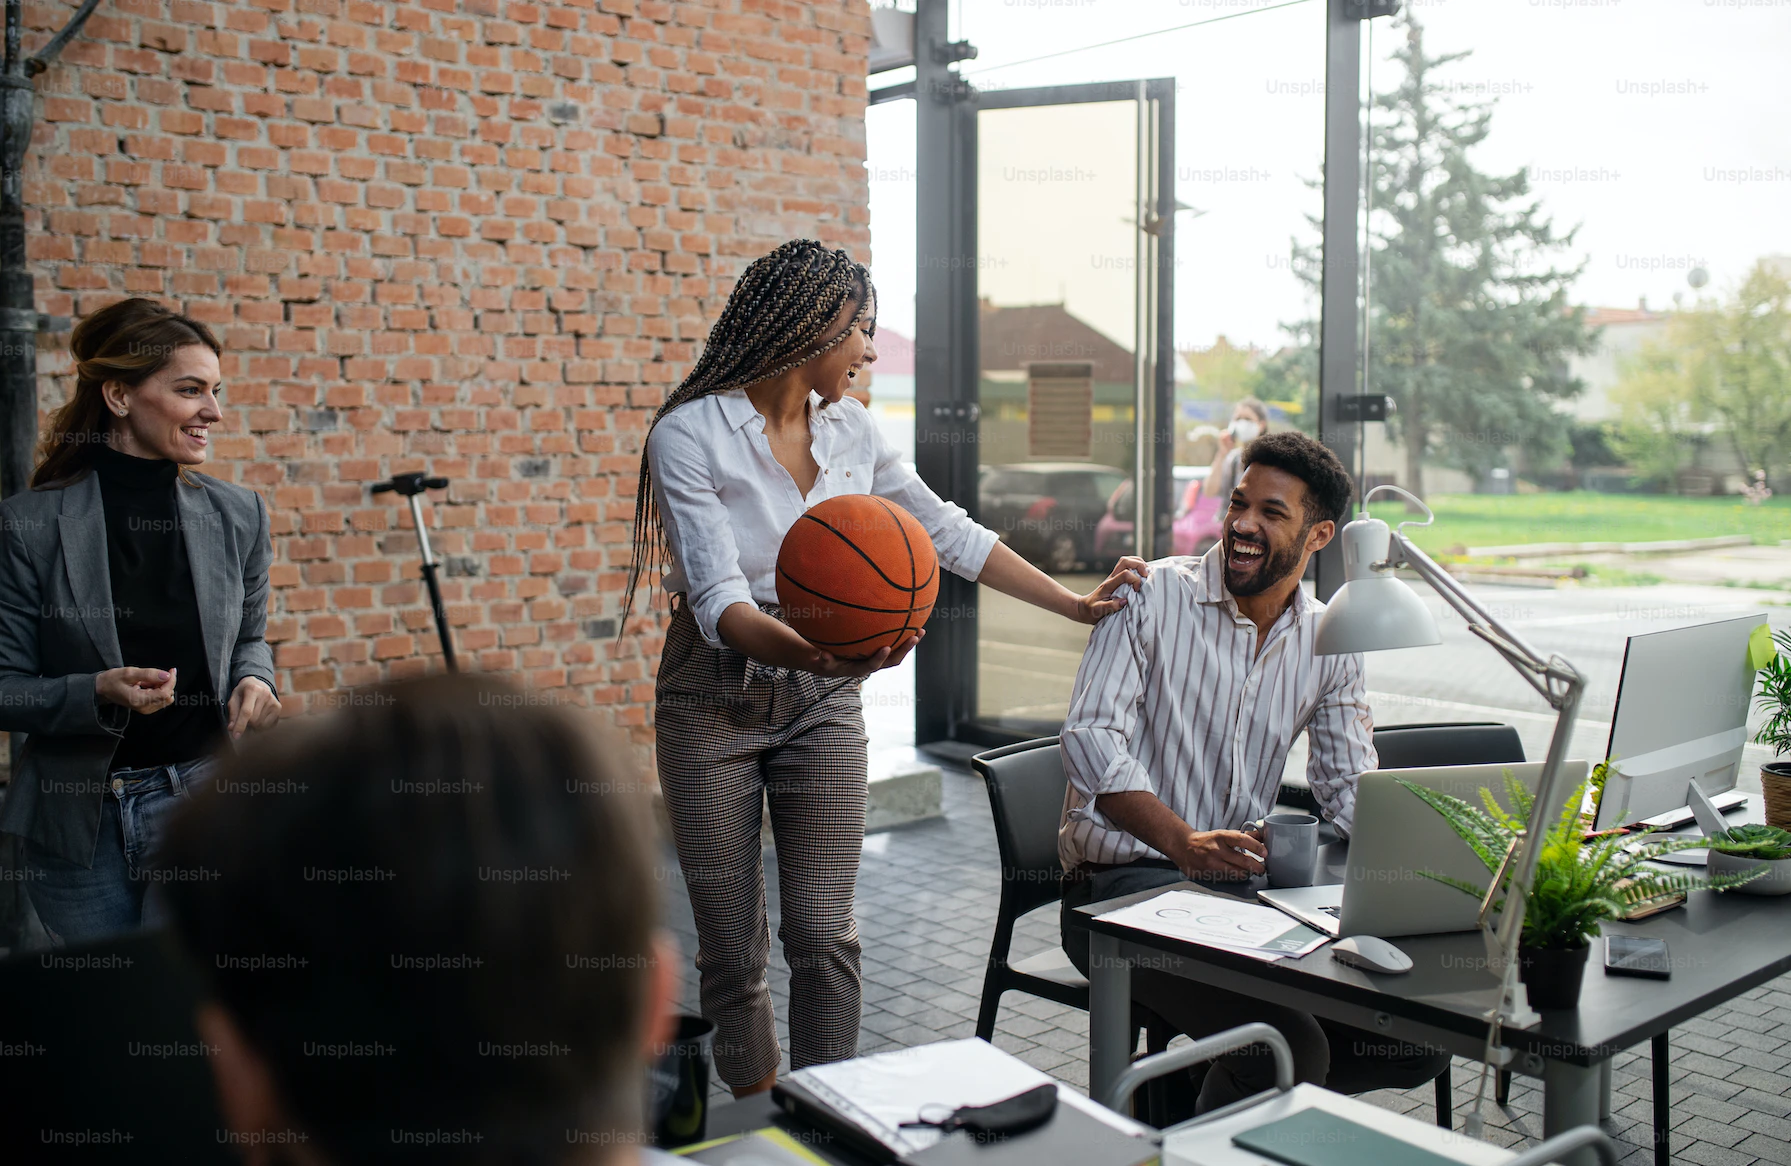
738, 409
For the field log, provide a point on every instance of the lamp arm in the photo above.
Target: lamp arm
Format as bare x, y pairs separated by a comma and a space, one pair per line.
1562, 686
1403, 552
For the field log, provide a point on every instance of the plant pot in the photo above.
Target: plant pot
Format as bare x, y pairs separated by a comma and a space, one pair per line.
1775, 786
1776, 880
1552, 975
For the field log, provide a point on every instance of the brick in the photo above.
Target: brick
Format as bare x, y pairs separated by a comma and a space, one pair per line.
413, 228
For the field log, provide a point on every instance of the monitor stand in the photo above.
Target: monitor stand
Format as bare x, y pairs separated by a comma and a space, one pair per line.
1704, 812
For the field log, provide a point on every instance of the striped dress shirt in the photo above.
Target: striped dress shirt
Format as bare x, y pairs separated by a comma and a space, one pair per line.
1173, 697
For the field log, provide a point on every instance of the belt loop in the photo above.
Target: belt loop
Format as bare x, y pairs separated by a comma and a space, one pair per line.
174, 778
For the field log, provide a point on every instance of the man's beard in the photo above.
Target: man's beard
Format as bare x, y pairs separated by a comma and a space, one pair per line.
1276, 565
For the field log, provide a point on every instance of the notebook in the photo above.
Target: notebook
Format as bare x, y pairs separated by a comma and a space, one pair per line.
1315, 1137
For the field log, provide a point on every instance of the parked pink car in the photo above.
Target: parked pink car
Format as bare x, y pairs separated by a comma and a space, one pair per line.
1195, 529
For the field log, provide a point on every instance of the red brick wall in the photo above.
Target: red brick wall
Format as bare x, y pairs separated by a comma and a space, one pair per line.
476, 236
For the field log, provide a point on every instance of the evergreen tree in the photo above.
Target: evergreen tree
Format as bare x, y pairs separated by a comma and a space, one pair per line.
1471, 324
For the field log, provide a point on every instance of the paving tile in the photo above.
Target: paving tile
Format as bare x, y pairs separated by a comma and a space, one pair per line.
1704, 1130
1706, 1154
1775, 1104
1022, 1025
1763, 1147
1761, 1123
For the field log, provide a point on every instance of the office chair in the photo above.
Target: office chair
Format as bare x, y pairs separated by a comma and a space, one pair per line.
1026, 785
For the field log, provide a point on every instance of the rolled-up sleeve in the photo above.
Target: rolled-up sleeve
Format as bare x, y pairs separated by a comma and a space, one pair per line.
1097, 734
962, 545
697, 527
1340, 739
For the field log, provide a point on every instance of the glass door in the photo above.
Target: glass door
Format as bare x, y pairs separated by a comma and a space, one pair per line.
1070, 372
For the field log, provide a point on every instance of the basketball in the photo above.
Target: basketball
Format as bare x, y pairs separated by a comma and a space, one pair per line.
856, 573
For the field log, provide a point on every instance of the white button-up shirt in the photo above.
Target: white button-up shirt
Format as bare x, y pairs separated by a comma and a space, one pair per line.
1172, 697
727, 502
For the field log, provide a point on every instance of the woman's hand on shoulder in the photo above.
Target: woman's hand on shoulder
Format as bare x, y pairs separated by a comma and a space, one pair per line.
827, 664
1100, 602
142, 690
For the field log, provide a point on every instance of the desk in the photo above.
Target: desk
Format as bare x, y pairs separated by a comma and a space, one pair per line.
1722, 945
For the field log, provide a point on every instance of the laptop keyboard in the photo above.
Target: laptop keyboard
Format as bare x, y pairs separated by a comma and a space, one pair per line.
1333, 912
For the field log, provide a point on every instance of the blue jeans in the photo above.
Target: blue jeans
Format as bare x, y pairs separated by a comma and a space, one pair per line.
119, 892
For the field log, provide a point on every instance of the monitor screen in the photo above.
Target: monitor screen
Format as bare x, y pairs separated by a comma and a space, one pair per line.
1681, 716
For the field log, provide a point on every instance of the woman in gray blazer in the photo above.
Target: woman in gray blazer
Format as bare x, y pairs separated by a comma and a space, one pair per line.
133, 601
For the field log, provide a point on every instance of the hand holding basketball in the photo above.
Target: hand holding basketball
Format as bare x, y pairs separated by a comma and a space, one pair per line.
827, 664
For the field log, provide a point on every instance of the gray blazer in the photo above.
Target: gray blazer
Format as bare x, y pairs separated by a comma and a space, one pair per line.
57, 632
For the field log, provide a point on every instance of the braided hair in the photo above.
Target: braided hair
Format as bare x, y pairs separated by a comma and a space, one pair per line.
775, 320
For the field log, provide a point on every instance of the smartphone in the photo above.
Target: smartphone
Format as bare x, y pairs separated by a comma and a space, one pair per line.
1636, 955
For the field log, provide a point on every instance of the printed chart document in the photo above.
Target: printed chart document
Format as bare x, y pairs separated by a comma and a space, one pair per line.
1252, 929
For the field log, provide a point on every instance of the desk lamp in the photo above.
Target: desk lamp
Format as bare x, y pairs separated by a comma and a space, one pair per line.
1374, 610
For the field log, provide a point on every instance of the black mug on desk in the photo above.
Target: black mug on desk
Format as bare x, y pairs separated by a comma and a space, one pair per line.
1292, 842
679, 1081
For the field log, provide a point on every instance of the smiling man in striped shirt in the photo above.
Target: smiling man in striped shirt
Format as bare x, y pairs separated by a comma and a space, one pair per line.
1184, 708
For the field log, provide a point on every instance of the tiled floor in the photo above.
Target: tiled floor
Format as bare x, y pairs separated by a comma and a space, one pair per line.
926, 906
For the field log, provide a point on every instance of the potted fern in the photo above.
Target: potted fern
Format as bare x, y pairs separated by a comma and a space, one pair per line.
1580, 882
1763, 850
1774, 699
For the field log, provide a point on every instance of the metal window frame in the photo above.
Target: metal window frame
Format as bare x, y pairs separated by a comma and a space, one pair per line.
947, 372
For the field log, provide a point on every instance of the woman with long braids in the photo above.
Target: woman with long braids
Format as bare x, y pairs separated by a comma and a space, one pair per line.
746, 710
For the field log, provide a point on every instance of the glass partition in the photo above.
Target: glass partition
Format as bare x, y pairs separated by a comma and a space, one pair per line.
1058, 321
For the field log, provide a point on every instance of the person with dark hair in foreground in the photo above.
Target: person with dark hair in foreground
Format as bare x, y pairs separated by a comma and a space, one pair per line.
1179, 726
428, 923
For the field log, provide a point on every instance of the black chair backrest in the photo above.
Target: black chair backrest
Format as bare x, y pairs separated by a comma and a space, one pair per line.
1026, 786
1476, 743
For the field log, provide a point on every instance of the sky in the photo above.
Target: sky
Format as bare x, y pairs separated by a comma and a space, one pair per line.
1658, 127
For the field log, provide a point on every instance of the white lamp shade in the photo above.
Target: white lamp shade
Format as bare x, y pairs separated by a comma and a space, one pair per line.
1373, 610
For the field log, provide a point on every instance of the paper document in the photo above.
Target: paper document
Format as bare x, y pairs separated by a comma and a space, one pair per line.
878, 1093
1251, 929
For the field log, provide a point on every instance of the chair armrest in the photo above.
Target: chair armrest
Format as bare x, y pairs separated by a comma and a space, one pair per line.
1559, 1146
1119, 1095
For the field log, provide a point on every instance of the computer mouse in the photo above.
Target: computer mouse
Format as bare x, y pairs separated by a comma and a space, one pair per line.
1371, 954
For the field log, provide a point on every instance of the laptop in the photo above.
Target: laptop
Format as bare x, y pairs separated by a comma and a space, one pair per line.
1397, 836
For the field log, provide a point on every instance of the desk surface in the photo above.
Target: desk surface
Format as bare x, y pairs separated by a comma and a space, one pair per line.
1721, 945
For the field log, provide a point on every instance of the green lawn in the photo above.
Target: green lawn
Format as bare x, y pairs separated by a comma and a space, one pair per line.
1482, 520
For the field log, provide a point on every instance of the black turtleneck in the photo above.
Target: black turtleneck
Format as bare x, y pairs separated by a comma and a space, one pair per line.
155, 609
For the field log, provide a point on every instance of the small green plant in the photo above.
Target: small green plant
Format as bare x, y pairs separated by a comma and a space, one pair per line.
1579, 882
1768, 843
1774, 698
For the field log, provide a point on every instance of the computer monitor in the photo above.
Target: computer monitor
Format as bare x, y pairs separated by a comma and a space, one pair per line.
1681, 717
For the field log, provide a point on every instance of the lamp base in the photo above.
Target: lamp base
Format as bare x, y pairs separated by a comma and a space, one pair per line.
1514, 1002
1515, 1010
